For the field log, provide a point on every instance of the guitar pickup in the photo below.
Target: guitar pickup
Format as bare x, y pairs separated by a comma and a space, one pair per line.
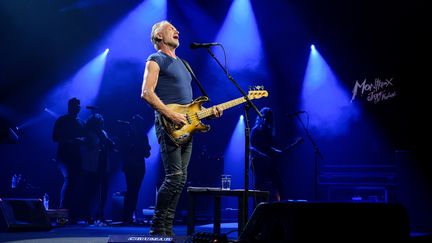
189, 120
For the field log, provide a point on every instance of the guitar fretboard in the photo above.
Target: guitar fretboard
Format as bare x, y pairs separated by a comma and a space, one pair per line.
223, 106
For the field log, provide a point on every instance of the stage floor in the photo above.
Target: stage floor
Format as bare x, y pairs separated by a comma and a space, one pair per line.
96, 234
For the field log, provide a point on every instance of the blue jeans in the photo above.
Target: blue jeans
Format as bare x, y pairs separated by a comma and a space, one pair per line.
71, 188
175, 160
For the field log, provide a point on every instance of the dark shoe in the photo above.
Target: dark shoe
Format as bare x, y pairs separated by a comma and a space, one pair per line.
169, 232
72, 222
158, 232
120, 224
101, 223
62, 221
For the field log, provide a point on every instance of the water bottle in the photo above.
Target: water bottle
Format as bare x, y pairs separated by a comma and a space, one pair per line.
46, 201
14, 181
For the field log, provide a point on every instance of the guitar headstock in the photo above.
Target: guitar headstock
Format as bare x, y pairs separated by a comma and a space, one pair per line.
257, 92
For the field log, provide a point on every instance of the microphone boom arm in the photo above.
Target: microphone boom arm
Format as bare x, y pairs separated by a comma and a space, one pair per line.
234, 82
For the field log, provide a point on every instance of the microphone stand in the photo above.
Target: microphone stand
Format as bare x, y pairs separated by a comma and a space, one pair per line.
317, 154
248, 104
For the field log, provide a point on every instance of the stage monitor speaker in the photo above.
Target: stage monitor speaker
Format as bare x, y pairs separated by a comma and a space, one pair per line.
23, 214
331, 222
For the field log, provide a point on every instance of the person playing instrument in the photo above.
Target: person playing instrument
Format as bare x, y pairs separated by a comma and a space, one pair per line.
167, 81
96, 165
263, 155
135, 148
68, 133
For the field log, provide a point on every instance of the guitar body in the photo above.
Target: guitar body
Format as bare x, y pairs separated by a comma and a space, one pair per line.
182, 134
194, 113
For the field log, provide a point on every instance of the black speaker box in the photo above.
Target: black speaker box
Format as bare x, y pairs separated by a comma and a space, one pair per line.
23, 214
327, 222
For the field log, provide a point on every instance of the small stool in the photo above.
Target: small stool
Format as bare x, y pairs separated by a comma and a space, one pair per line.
218, 193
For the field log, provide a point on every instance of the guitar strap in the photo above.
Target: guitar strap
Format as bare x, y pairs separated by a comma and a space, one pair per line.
188, 67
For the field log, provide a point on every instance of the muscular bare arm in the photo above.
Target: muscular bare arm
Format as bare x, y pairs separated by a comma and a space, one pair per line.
151, 74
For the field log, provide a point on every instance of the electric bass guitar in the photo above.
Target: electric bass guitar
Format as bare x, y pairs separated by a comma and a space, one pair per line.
194, 113
276, 154
297, 141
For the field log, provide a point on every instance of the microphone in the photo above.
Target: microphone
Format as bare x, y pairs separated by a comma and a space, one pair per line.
295, 113
195, 45
90, 107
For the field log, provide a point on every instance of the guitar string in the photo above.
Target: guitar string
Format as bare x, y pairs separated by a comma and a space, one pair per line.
206, 112
195, 117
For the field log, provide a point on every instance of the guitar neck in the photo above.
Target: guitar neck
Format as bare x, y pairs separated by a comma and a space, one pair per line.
223, 106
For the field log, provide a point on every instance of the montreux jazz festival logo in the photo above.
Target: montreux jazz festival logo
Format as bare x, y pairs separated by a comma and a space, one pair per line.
374, 91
